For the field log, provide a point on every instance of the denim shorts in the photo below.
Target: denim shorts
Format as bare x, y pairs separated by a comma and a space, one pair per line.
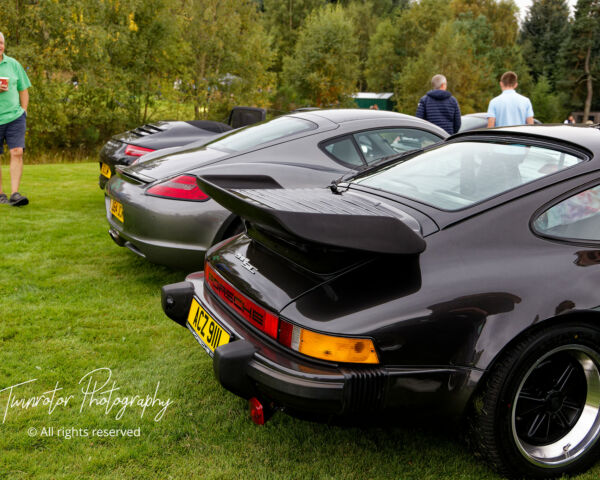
14, 133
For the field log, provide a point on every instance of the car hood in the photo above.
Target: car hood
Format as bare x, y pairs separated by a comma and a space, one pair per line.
172, 163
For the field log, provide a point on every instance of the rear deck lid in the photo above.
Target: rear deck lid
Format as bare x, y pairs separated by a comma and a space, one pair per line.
173, 163
171, 134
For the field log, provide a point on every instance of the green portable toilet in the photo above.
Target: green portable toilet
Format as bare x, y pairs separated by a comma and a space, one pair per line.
368, 99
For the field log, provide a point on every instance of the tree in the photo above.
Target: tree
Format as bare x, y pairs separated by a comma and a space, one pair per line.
147, 42
548, 106
228, 55
383, 57
448, 52
500, 14
401, 37
324, 66
581, 54
545, 29
283, 18
365, 23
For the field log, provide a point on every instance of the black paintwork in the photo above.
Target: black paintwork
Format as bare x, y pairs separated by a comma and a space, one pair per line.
317, 216
474, 288
439, 317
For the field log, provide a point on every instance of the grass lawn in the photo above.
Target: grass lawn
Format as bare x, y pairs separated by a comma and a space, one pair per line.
74, 307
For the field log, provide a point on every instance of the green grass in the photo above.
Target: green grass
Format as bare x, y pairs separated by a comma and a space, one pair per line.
71, 302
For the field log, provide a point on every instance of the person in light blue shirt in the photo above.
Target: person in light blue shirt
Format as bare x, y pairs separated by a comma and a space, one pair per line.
509, 108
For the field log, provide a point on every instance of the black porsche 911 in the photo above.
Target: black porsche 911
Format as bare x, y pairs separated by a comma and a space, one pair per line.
126, 148
461, 279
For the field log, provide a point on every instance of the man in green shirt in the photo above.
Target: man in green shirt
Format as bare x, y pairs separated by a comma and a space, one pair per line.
14, 99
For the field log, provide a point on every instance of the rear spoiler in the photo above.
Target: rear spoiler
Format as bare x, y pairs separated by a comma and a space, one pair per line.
317, 215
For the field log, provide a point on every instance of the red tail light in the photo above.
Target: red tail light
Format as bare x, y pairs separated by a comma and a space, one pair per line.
183, 187
256, 315
135, 151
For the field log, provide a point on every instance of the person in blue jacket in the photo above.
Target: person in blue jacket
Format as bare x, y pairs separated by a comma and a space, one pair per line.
439, 106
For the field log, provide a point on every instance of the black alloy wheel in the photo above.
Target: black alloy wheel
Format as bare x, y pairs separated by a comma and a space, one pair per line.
538, 414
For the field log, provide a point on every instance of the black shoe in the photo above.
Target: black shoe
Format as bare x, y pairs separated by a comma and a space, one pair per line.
18, 200
3, 198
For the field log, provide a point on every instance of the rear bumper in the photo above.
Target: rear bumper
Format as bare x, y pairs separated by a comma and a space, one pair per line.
112, 154
252, 366
168, 232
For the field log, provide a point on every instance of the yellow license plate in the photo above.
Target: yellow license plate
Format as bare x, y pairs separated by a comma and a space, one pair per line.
105, 170
210, 333
117, 210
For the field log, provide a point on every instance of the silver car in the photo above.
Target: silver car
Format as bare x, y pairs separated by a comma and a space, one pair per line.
156, 209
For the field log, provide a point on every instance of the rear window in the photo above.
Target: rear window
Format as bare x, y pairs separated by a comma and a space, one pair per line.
265, 132
457, 175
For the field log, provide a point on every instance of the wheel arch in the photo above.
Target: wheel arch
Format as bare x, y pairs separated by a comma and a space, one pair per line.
590, 316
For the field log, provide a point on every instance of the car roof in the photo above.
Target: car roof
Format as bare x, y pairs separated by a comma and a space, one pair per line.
586, 137
344, 115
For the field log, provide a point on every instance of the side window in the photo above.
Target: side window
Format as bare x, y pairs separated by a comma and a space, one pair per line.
377, 144
576, 218
345, 151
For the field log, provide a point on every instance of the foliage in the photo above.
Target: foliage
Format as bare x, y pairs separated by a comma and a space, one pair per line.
226, 56
548, 105
544, 31
102, 66
324, 66
400, 39
366, 16
450, 53
283, 20
383, 57
580, 56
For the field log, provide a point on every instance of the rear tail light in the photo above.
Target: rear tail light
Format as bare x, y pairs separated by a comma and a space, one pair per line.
183, 187
307, 342
327, 347
135, 151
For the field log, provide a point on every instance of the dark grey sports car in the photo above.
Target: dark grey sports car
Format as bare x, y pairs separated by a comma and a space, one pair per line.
126, 148
462, 279
156, 209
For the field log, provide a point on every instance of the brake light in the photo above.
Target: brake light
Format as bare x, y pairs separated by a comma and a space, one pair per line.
135, 151
256, 315
183, 187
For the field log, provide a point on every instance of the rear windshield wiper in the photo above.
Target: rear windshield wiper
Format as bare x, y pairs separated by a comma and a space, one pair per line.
336, 186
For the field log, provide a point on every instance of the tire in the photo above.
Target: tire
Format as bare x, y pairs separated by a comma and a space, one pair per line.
538, 412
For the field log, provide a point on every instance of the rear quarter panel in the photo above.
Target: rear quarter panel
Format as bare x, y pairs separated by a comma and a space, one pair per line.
479, 284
